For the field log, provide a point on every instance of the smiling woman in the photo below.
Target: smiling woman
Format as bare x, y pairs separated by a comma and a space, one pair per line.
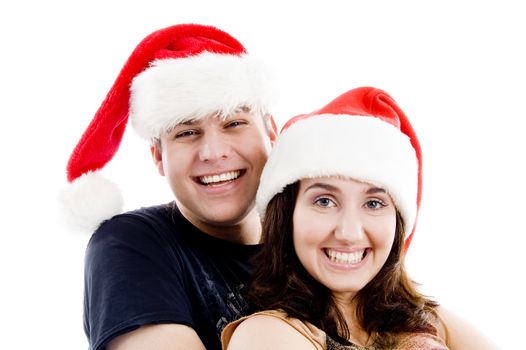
340, 194
343, 227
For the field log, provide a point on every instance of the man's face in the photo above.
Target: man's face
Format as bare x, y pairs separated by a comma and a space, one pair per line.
213, 166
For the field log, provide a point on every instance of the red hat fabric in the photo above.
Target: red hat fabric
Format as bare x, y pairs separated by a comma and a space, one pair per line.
362, 134
179, 73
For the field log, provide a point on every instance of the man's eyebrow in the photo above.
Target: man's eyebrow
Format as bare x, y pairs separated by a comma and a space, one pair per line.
188, 122
244, 109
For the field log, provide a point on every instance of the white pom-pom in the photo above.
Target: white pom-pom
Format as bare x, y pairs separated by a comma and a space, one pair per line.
89, 200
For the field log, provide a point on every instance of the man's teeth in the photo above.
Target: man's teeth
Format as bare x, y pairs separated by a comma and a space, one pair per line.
345, 258
212, 179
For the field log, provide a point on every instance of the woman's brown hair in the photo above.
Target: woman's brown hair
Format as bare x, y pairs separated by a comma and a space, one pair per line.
387, 306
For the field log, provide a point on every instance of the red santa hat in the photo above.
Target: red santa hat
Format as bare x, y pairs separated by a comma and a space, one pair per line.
180, 73
362, 134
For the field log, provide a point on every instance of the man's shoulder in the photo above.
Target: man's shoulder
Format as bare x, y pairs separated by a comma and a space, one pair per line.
136, 227
138, 220
154, 226
146, 233
150, 213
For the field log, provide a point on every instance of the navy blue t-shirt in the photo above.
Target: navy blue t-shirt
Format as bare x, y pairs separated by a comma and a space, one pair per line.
152, 266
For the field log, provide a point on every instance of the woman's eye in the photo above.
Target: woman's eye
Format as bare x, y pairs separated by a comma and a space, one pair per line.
375, 204
324, 202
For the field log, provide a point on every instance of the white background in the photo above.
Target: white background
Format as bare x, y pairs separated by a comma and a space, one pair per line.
456, 68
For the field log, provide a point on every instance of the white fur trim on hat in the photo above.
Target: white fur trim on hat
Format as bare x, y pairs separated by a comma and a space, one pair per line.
362, 148
175, 90
89, 200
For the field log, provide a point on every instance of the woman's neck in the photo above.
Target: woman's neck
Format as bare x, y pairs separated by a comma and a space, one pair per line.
347, 307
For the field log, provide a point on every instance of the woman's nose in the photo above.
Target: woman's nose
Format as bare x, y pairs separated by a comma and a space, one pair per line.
349, 227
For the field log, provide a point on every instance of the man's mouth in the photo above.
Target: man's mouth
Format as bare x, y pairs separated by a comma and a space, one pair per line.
219, 179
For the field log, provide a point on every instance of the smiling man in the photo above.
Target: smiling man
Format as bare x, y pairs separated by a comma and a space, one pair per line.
213, 165
171, 276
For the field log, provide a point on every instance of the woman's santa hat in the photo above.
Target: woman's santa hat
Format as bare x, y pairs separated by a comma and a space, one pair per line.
176, 74
362, 134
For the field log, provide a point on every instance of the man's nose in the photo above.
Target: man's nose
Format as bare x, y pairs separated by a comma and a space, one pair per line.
214, 146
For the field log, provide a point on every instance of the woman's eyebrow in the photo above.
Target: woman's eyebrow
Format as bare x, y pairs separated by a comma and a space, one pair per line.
328, 187
374, 190
322, 186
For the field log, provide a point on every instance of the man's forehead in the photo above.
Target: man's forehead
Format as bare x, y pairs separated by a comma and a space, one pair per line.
189, 122
217, 115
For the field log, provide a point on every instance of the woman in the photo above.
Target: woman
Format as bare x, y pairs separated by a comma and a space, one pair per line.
340, 195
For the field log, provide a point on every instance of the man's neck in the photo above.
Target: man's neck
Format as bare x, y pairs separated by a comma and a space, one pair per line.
247, 231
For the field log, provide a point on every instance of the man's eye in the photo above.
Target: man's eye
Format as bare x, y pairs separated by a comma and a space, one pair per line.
324, 202
235, 123
186, 133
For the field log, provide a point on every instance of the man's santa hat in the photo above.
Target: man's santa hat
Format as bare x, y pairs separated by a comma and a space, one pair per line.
176, 74
363, 135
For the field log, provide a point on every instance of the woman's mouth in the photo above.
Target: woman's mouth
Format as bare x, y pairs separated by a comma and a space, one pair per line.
346, 258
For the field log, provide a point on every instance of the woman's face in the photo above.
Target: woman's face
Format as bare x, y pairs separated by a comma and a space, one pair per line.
343, 232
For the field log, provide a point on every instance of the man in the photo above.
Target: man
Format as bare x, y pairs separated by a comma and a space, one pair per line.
170, 276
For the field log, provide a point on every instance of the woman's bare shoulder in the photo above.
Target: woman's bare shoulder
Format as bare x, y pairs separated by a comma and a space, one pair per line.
267, 332
461, 334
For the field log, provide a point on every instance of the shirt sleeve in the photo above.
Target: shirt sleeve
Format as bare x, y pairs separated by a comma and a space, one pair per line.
131, 279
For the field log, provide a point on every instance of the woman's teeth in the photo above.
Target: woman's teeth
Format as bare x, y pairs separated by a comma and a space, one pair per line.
345, 258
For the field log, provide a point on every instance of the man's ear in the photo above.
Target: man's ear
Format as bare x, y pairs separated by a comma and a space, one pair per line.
272, 128
157, 156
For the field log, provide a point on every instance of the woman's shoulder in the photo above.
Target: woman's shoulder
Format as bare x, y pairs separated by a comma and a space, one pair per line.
459, 333
434, 337
272, 329
422, 341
